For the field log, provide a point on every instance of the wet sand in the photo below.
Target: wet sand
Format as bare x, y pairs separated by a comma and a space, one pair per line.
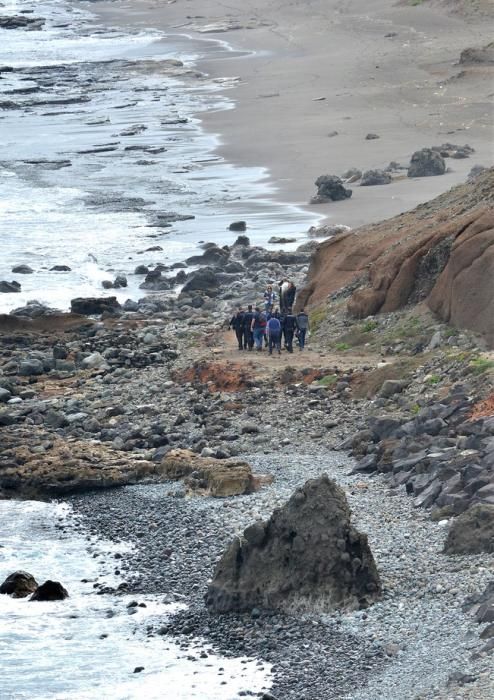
318, 67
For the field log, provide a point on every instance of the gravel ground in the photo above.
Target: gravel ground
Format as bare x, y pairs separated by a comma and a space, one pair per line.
404, 647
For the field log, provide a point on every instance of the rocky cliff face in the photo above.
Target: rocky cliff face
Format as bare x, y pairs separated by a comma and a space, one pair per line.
442, 253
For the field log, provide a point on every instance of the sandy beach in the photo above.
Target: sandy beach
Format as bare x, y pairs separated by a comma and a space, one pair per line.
317, 77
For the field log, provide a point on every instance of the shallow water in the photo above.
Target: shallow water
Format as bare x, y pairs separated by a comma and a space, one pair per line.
88, 646
75, 207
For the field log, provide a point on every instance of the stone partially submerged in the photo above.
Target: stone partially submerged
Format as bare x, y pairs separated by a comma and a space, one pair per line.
307, 555
19, 584
209, 476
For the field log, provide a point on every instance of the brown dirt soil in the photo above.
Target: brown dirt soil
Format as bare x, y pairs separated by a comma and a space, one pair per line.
483, 408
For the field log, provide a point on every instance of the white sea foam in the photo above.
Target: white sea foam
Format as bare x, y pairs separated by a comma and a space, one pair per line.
88, 646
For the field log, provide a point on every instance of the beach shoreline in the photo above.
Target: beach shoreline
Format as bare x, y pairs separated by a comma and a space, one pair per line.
304, 105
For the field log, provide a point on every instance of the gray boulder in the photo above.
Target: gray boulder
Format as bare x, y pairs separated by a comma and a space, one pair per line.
31, 368
375, 177
155, 282
204, 280
472, 532
330, 189
89, 306
425, 163
307, 555
22, 270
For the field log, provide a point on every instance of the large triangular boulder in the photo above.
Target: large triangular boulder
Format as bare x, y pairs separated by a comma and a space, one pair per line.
307, 555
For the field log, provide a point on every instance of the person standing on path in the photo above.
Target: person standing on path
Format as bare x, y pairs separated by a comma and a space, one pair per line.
258, 328
269, 299
237, 323
248, 337
290, 297
303, 327
283, 286
289, 328
273, 330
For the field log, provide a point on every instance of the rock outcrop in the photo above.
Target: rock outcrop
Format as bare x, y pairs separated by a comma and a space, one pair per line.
307, 555
20, 584
430, 254
209, 476
90, 306
472, 532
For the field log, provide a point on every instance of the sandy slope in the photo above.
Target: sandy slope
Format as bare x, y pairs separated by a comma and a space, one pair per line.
406, 87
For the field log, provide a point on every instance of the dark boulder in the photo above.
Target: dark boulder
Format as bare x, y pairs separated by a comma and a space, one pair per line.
306, 555
330, 189
21, 22
19, 584
88, 306
155, 282
213, 255
22, 270
238, 226
141, 270
9, 287
425, 163
49, 591
204, 280
60, 268
120, 281
375, 177
472, 532
243, 241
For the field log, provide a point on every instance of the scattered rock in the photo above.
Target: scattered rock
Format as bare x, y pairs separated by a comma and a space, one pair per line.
9, 287
375, 177
238, 226
90, 306
330, 189
425, 163
22, 270
372, 137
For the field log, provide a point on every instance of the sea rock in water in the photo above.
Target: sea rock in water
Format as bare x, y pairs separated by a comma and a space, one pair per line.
425, 163
9, 287
243, 241
88, 306
209, 476
472, 56
50, 590
307, 555
330, 189
22, 270
238, 226
21, 22
19, 584
60, 268
375, 177
472, 532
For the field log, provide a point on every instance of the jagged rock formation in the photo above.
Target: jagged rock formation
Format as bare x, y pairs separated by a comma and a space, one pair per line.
210, 476
430, 254
307, 555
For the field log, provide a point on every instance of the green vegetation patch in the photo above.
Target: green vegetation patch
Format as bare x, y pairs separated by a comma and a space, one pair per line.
328, 380
480, 365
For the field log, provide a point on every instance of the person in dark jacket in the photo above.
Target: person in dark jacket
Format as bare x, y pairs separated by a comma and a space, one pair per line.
303, 327
273, 332
258, 328
248, 337
237, 323
290, 296
289, 328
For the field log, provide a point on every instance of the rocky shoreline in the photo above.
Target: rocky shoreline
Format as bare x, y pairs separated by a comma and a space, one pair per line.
101, 402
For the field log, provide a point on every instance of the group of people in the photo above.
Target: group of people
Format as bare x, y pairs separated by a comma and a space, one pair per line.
258, 328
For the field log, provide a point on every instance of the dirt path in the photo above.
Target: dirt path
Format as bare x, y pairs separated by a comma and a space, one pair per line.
262, 364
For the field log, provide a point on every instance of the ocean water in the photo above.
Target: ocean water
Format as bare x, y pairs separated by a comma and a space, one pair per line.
87, 647
79, 189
